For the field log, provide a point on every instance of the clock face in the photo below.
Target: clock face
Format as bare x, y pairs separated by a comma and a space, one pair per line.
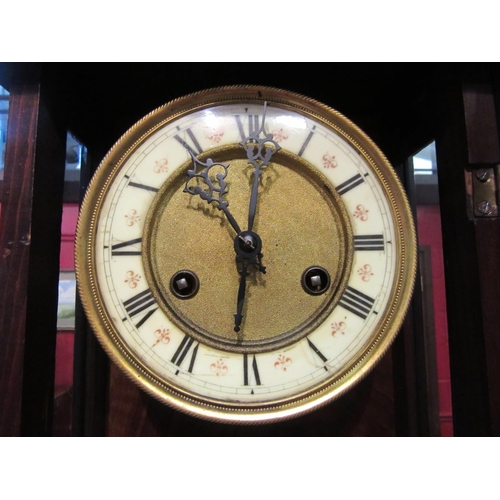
245, 254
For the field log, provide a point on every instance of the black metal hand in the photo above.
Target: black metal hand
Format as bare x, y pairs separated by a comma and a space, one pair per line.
238, 317
247, 246
214, 193
259, 153
260, 147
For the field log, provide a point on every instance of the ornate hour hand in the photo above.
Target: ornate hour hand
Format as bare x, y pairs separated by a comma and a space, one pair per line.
213, 194
260, 147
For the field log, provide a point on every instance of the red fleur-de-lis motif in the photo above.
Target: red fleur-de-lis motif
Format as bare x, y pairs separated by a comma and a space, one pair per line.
219, 368
214, 135
132, 279
162, 335
361, 213
338, 327
132, 217
161, 166
283, 362
365, 272
329, 161
280, 135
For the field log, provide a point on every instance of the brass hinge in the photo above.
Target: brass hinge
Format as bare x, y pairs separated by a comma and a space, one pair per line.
485, 190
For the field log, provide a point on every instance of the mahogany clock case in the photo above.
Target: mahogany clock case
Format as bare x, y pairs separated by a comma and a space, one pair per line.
401, 113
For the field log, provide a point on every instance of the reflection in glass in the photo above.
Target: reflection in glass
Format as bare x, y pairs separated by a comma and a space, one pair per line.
74, 152
66, 302
4, 108
433, 280
63, 383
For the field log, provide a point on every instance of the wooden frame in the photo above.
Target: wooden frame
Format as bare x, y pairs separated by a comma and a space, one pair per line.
31, 233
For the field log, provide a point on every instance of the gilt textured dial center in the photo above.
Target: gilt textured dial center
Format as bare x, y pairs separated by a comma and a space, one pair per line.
299, 224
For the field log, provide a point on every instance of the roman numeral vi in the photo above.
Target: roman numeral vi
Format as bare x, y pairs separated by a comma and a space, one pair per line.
246, 369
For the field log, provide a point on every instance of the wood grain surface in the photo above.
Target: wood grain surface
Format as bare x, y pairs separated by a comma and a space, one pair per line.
15, 240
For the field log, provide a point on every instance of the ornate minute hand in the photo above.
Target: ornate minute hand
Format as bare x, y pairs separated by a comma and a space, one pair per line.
214, 193
260, 147
259, 153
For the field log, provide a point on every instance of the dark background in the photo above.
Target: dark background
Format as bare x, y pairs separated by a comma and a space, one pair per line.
101, 101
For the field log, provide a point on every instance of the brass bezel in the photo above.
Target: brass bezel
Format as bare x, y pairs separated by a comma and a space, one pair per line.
320, 394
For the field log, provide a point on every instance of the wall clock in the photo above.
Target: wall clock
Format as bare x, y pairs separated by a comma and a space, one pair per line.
245, 254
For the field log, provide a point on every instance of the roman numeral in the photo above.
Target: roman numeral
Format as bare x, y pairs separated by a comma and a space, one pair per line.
370, 242
116, 249
253, 125
195, 148
141, 304
349, 184
182, 351
255, 370
143, 186
356, 302
306, 142
318, 352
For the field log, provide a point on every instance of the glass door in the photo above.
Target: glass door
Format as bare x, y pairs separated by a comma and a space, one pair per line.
431, 264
